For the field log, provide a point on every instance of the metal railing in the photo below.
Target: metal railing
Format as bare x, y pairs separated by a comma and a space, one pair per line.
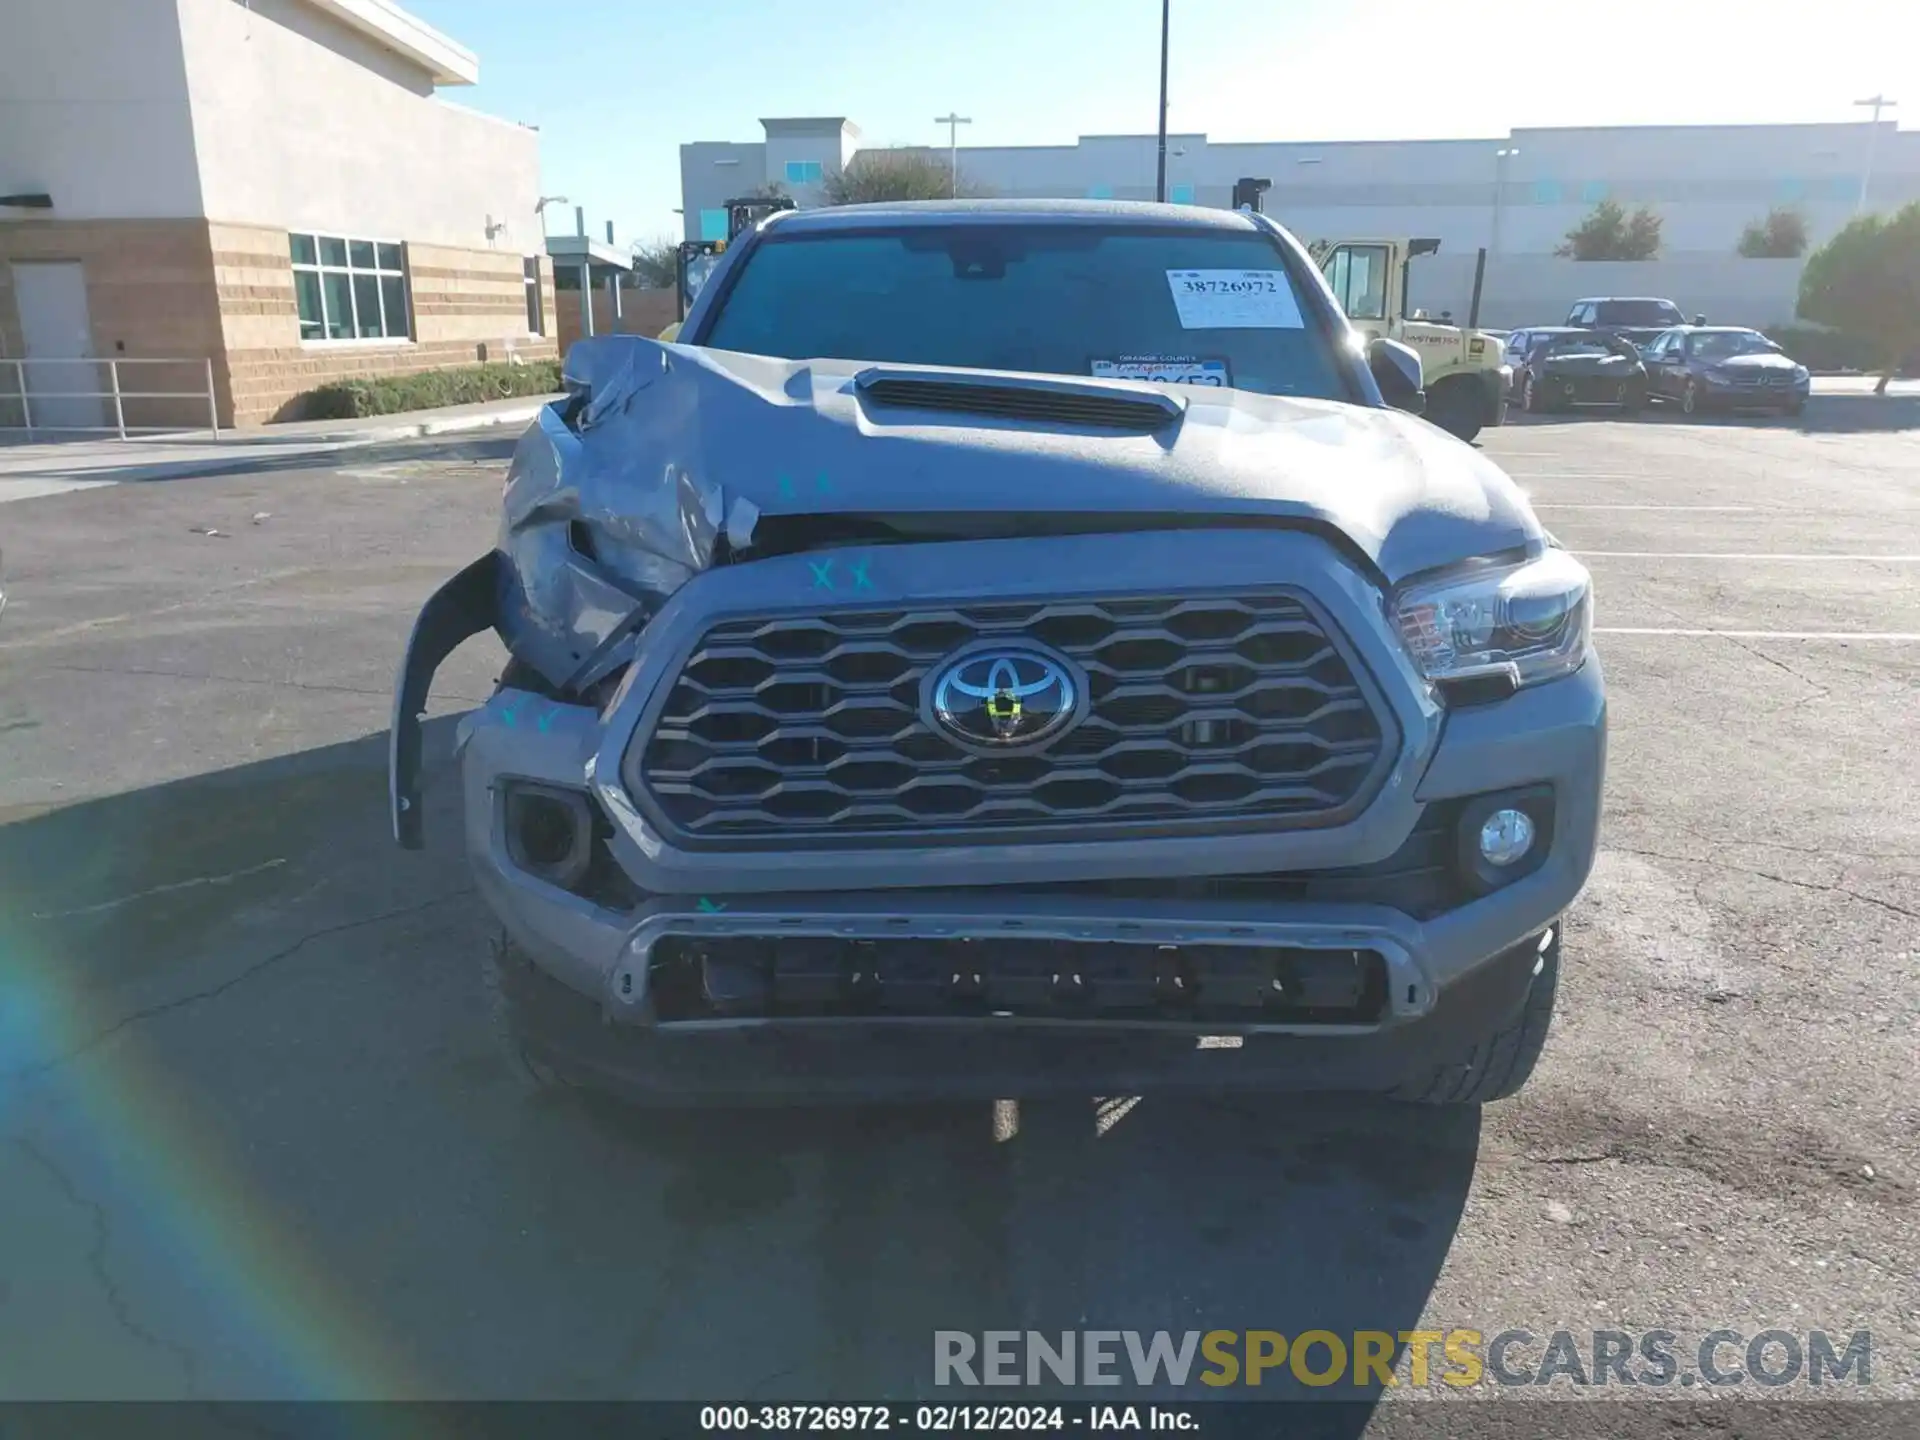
55, 403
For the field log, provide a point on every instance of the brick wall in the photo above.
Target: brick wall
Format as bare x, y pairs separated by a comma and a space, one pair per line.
194, 291
642, 312
468, 306
150, 294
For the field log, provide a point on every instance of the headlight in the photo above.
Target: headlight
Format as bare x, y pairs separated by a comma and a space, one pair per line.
1800, 372
1527, 622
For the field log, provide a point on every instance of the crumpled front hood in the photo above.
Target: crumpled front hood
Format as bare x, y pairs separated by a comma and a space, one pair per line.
680, 456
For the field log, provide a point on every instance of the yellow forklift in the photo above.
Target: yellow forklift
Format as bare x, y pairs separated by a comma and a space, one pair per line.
697, 258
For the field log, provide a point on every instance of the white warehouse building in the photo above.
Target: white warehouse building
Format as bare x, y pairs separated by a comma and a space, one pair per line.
1517, 195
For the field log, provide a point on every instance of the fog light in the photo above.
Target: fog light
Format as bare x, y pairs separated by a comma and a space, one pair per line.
549, 833
1506, 836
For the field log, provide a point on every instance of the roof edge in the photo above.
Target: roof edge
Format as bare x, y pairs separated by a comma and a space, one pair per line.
387, 25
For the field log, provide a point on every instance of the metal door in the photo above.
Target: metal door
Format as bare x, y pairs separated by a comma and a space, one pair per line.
51, 297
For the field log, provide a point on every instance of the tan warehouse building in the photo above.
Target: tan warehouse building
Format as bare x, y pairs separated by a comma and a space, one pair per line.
268, 193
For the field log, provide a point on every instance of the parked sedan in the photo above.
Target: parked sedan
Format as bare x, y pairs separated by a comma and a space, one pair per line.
1721, 367
1582, 367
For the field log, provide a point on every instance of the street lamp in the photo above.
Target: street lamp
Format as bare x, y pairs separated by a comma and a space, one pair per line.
1500, 158
953, 122
1877, 103
540, 208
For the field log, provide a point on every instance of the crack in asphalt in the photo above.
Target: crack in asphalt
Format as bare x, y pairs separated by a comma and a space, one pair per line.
97, 1264
181, 1002
1824, 850
1769, 875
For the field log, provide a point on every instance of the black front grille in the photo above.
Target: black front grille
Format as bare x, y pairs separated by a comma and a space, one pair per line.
1029, 403
1205, 709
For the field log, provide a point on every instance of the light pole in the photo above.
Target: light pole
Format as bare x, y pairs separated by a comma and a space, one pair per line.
1160, 183
1500, 158
1877, 103
953, 123
540, 208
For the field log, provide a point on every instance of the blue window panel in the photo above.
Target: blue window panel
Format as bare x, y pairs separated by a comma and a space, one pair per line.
1181, 194
1099, 192
1789, 189
713, 224
796, 172
1593, 192
1546, 192
1844, 187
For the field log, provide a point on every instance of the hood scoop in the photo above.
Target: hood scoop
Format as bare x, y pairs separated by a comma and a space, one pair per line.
1038, 399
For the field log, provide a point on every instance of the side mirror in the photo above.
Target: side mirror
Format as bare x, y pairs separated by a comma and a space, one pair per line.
1396, 370
1699, 319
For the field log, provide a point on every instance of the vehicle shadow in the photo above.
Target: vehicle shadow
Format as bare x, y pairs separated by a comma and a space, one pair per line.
255, 1038
1824, 415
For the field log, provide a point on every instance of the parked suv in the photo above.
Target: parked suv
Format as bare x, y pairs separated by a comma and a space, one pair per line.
1015, 647
1637, 318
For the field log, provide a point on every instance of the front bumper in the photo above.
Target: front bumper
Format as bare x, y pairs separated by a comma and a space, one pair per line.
1451, 977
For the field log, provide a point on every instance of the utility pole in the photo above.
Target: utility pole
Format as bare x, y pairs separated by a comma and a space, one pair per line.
953, 124
1878, 103
1160, 182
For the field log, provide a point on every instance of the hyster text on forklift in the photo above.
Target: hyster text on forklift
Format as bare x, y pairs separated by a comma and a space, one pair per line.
1466, 383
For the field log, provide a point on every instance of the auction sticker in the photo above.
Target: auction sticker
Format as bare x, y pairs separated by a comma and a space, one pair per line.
1234, 300
1169, 369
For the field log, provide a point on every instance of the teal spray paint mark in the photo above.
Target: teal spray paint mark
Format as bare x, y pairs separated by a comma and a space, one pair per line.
860, 580
507, 717
786, 488
822, 573
545, 722
709, 907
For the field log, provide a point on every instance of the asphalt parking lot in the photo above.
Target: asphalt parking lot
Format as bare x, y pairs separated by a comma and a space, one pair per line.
261, 1141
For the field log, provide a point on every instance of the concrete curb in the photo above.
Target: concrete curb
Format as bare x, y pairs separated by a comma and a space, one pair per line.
263, 449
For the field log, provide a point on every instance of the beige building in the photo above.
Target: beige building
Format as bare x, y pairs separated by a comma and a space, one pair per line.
271, 190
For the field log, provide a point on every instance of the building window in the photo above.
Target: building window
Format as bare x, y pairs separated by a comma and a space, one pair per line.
530, 279
350, 289
1546, 192
1593, 192
713, 224
1099, 192
803, 172
1181, 194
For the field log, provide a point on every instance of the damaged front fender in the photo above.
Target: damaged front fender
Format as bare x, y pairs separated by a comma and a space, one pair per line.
457, 611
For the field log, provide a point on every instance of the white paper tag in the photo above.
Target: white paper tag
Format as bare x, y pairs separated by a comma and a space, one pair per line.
1171, 370
1234, 300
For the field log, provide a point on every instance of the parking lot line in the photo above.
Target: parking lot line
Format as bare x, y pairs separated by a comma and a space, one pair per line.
1907, 637
1732, 555
1717, 509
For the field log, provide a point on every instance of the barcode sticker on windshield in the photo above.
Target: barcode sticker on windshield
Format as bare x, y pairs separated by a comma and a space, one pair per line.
1234, 300
1171, 369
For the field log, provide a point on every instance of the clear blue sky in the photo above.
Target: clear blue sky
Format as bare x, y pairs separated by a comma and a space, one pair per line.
617, 85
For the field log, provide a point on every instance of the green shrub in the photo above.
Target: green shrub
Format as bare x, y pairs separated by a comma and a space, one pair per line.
1819, 349
426, 390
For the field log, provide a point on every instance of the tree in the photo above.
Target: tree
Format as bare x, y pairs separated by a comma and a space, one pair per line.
1781, 236
656, 263
1865, 282
895, 174
1610, 233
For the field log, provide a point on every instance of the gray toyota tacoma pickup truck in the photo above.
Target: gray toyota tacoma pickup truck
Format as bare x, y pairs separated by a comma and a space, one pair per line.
1017, 647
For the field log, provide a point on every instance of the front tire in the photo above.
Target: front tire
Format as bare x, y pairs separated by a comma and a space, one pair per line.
1455, 406
1498, 1066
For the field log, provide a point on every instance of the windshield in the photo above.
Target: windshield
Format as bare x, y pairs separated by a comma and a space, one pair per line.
1195, 306
1725, 344
1639, 312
